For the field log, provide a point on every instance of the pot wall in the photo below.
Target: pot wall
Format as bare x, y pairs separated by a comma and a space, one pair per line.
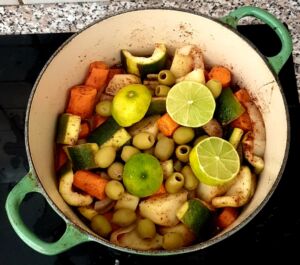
138, 31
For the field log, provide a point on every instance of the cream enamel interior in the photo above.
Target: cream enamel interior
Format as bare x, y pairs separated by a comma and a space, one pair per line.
138, 31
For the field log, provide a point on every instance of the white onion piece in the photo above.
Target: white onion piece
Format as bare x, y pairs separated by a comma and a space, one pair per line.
104, 205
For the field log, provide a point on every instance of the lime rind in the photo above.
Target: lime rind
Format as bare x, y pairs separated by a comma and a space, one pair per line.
215, 161
190, 104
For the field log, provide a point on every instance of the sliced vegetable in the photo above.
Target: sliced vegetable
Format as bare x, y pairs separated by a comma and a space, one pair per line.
187, 235
82, 101
222, 74
229, 107
196, 75
127, 201
129, 237
258, 125
87, 211
118, 139
167, 167
104, 205
91, 183
236, 137
227, 217
213, 128
119, 81
68, 129
248, 149
113, 72
84, 130
194, 214
215, 87
239, 193
186, 59
82, 155
148, 125
61, 157
97, 120
166, 125
207, 192
162, 209
65, 189
104, 132
157, 106
97, 76
141, 66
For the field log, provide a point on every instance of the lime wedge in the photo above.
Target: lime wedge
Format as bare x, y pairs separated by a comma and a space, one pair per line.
190, 104
214, 161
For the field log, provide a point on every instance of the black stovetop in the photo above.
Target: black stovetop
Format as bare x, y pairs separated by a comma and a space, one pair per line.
271, 235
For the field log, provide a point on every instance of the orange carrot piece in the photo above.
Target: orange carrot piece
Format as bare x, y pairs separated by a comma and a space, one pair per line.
166, 125
84, 130
222, 74
61, 157
82, 101
242, 96
97, 120
98, 65
243, 122
112, 72
91, 183
97, 78
227, 217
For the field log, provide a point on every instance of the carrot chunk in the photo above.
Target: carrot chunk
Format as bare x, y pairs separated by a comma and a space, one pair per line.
166, 125
98, 65
222, 74
112, 72
97, 120
84, 130
242, 95
91, 183
61, 157
227, 217
97, 78
243, 122
82, 101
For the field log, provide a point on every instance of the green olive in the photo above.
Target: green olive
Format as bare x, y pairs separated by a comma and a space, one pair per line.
105, 156
183, 135
143, 140
162, 91
100, 225
146, 229
190, 180
177, 166
104, 107
114, 189
166, 77
160, 135
174, 183
123, 217
164, 148
183, 152
128, 151
172, 240
115, 170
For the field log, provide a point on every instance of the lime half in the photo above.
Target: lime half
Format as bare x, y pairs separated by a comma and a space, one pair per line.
190, 104
214, 161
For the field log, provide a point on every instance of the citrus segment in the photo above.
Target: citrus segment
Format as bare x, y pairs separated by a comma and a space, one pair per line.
214, 161
190, 104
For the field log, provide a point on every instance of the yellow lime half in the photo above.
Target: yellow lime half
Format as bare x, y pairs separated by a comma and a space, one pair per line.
214, 161
190, 104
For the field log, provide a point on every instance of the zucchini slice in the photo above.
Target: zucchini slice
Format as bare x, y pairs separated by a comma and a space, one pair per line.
68, 129
141, 66
82, 155
194, 214
157, 106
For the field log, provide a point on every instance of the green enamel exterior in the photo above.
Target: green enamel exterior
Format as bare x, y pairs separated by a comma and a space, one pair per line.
72, 236
280, 59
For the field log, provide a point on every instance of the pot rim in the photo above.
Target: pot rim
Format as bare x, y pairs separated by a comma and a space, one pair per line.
200, 245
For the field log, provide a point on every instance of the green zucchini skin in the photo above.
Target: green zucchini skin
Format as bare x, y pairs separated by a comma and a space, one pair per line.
104, 132
82, 156
157, 106
68, 129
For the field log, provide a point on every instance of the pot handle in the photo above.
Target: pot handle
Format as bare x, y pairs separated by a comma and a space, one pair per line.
280, 59
71, 237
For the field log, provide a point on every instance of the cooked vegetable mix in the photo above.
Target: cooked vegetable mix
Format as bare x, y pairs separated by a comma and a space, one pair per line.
158, 157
